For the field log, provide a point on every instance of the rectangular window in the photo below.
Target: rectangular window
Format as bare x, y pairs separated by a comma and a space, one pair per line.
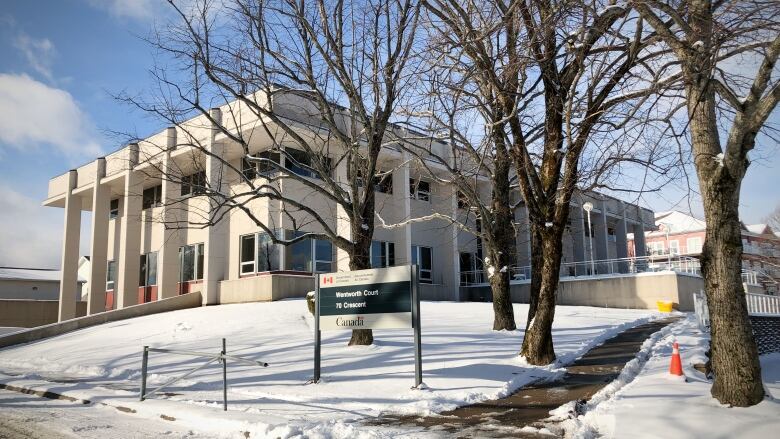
113, 209
323, 256
110, 275
674, 247
152, 197
194, 184
248, 258
299, 162
422, 256
656, 248
384, 184
420, 190
382, 254
468, 268
266, 168
299, 255
148, 271
191, 262
463, 202
694, 245
248, 169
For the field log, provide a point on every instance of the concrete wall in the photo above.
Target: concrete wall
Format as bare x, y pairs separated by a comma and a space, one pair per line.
264, 288
29, 289
639, 291
190, 300
32, 313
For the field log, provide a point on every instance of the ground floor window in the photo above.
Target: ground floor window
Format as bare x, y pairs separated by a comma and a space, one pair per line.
310, 255
110, 275
423, 257
382, 254
258, 254
148, 272
191, 262
470, 268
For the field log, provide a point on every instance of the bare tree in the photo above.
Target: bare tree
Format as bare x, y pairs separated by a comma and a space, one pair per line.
318, 81
704, 37
548, 79
773, 219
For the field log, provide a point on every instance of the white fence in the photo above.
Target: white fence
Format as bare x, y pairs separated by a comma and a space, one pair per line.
757, 304
763, 304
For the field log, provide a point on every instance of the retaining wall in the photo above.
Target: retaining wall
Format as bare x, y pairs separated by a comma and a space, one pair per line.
24, 313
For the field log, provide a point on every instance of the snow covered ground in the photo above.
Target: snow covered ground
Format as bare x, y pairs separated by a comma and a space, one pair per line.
647, 402
463, 362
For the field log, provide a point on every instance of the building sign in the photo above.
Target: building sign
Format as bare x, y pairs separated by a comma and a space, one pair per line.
381, 298
366, 299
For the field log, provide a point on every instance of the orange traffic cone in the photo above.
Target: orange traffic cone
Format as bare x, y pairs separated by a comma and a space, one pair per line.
676, 367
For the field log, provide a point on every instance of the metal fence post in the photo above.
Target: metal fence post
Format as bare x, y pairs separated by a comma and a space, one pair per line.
144, 364
224, 375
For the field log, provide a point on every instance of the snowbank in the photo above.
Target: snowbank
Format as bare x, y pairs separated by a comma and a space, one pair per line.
463, 362
646, 401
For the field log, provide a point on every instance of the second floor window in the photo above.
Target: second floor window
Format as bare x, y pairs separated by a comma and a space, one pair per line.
255, 169
113, 209
194, 184
420, 190
300, 162
694, 245
152, 197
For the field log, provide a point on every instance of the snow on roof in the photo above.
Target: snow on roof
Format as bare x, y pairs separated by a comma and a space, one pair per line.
677, 222
758, 229
39, 274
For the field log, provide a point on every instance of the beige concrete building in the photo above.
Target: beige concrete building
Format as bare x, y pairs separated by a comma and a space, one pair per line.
135, 258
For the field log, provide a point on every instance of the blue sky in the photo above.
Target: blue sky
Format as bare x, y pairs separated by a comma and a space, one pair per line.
58, 70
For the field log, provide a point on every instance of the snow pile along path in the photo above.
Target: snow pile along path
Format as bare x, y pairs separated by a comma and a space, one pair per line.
646, 401
463, 362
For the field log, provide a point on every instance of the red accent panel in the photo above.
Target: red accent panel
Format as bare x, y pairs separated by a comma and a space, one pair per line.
147, 294
109, 300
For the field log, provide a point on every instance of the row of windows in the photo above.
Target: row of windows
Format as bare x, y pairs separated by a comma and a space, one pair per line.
190, 267
694, 246
259, 254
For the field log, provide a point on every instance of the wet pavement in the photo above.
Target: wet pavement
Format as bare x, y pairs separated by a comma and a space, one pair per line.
507, 416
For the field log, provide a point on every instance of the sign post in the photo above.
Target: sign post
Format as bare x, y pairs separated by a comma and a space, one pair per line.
382, 298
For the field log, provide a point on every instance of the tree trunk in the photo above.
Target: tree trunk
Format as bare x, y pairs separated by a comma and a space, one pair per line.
537, 343
500, 243
359, 259
735, 360
537, 267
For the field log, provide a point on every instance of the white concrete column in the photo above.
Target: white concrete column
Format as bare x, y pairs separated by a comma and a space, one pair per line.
402, 236
621, 240
215, 245
168, 256
130, 236
451, 249
343, 226
101, 202
600, 245
70, 250
578, 228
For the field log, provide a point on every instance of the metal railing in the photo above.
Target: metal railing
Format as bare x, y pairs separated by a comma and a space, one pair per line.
221, 357
607, 267
602, 267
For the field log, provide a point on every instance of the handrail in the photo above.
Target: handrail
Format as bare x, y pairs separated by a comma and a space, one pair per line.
221, 357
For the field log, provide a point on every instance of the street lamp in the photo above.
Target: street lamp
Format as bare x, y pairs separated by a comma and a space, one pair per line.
588, 206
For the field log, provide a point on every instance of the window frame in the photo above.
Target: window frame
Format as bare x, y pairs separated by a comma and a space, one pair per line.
145, 271
417, 193
241, 262
113, 211
697, 240
194, 184
155, 200
387, 253
110, 279
197, 262
426, 274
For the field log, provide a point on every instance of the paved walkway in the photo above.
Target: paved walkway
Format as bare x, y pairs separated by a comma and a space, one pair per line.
505, 417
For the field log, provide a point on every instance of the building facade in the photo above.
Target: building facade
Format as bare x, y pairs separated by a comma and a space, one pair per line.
153, 237
680, 236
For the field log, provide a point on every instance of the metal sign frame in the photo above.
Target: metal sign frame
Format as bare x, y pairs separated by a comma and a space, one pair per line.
415, 286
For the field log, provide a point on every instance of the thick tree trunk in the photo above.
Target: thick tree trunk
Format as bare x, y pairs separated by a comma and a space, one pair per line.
537, 343
537, 267
500, 243
359, 259
735, 360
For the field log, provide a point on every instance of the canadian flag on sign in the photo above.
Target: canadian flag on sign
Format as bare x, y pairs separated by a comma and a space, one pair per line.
327, 280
